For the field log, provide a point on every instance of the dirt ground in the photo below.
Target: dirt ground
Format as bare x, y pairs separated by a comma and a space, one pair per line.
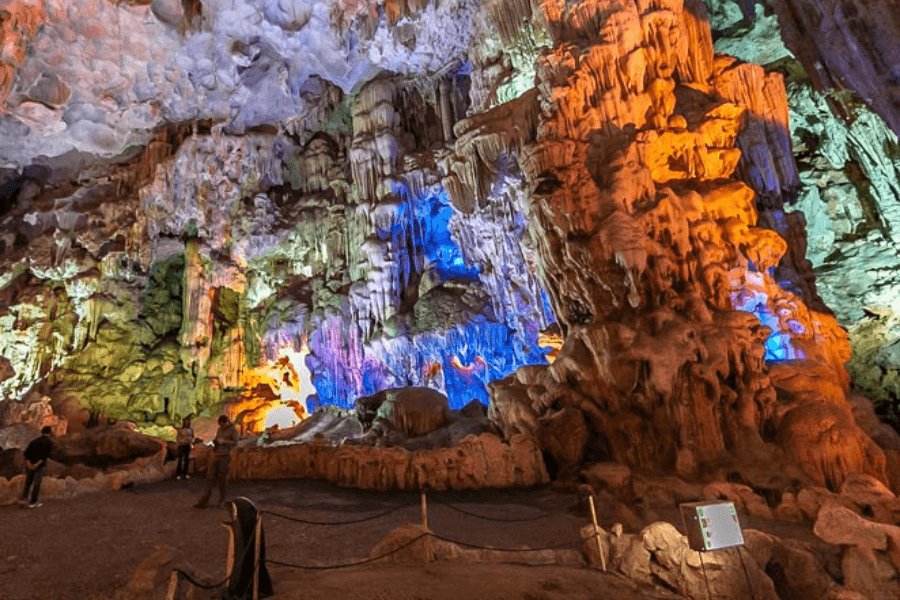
123, 545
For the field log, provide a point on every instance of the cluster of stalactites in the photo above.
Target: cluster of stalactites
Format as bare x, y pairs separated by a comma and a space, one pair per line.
375, 150
645, 234
368, 12
392, 252
205, 183
482, 142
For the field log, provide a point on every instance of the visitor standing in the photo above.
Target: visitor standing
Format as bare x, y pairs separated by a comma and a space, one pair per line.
184, 437
36, 455
217, 471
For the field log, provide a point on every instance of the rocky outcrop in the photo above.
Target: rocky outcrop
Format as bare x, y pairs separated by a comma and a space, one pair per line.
78, 480
475, 462
841, 220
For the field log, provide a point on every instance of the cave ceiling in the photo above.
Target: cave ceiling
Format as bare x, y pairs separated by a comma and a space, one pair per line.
667, 222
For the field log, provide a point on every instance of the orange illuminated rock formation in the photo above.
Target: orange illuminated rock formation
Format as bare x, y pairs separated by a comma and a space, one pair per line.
648, 159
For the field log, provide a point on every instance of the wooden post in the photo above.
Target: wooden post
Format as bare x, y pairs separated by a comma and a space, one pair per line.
424, 511
229, 560
173, 585
427, 541
597, 533
256, 556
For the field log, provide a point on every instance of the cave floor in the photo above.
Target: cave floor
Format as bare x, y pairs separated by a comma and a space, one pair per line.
123, 545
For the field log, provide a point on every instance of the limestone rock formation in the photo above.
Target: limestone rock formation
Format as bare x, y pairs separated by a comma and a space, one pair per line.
481, 461
264, 210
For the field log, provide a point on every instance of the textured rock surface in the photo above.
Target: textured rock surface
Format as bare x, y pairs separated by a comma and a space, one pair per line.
660, 552
476, 462
849, 171
266, 209
574, 211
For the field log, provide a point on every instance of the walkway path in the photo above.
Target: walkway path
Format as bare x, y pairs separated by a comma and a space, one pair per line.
122, 545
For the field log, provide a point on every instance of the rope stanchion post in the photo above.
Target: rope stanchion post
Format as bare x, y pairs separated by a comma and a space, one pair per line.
424, 503
256, 543
426, 543
597, 533
173, 585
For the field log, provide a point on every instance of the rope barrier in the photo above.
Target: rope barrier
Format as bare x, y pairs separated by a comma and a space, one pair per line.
209, 586
351, 522
181, 574
487, 518
347, 565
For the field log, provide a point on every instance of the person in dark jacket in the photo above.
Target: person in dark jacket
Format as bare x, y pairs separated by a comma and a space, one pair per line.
226, 439
36, 455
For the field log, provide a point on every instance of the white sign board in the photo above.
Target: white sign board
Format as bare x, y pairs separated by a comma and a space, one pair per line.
711, 525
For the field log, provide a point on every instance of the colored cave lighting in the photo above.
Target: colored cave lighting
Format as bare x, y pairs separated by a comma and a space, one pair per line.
276, 391
459, 358
428, 215
281, 416
750, 296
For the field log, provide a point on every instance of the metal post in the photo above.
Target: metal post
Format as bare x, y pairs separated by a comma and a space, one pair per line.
705, 577
256, 556
597, 533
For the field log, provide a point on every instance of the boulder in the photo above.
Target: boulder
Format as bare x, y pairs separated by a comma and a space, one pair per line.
10, 489
169, 12
810, 500
414, 411
661, 553
597, 554
744, 498
839, 525
123, 444
49, 90
665, 492
451, 435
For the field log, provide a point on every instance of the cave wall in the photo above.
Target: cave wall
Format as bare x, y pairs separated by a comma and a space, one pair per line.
225, 205
849, 167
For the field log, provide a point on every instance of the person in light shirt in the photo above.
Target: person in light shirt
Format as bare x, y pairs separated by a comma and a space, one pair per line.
184, 436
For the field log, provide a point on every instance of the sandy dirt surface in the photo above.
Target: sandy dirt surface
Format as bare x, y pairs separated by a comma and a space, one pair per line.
123, 545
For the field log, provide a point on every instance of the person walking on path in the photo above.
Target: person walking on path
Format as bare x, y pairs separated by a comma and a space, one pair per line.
36, 455
184, 436
226, 439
